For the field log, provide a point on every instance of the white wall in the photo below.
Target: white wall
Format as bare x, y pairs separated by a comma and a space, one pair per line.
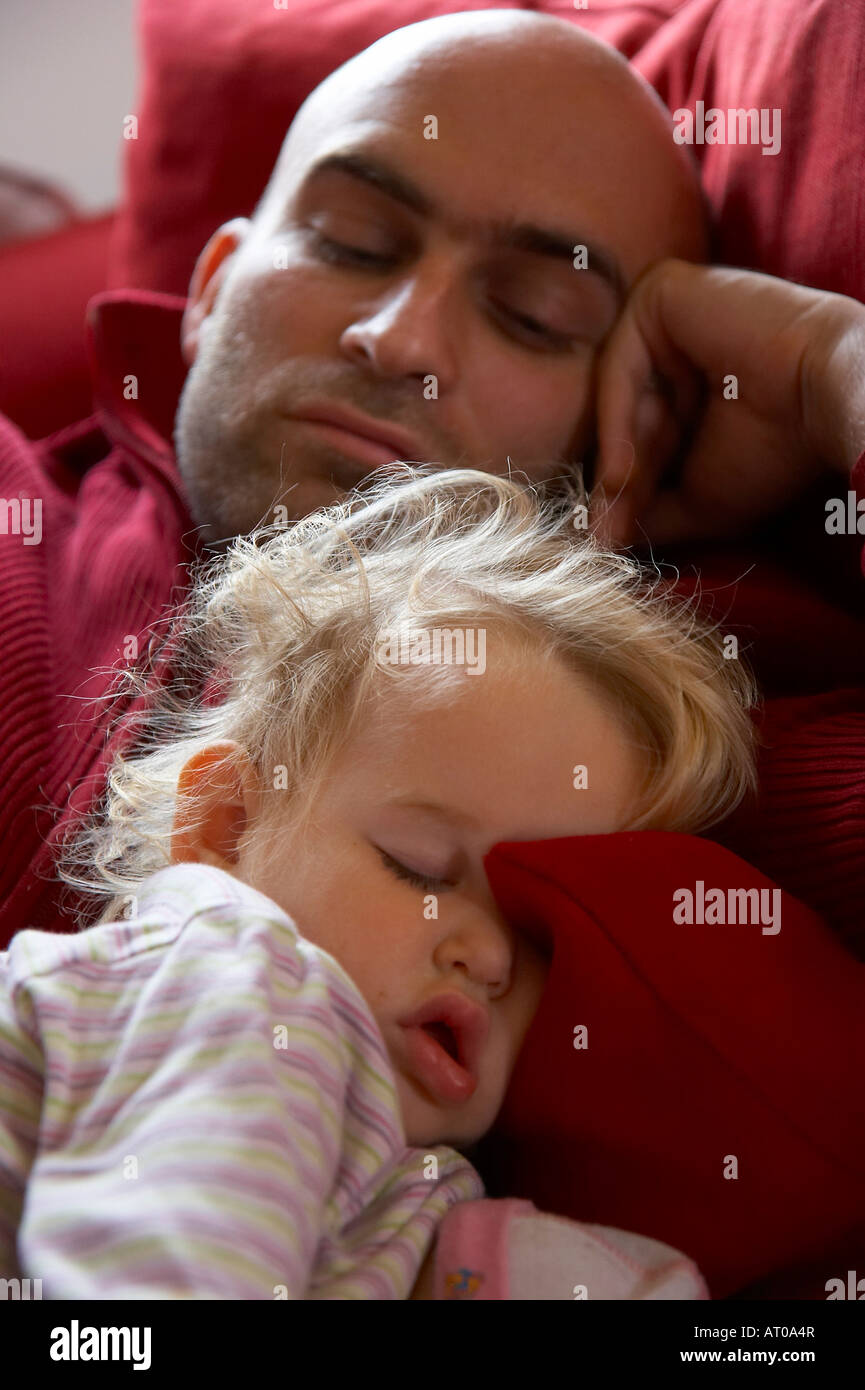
68, 76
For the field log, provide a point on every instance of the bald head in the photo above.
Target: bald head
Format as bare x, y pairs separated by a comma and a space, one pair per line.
540, 84
449, 234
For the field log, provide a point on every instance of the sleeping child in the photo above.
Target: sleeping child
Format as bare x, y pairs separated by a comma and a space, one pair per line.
262, 1072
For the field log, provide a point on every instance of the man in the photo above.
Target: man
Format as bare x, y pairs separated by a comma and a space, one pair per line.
438, 270
402, 277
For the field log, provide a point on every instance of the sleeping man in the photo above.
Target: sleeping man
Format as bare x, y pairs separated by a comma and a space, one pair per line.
395, 297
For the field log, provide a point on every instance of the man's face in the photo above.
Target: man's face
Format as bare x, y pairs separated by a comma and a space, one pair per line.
430, 285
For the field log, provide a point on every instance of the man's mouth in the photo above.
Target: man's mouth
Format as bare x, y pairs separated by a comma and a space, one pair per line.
363, 451
370, 441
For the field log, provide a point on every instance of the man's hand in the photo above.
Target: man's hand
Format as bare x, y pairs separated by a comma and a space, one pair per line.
747, 447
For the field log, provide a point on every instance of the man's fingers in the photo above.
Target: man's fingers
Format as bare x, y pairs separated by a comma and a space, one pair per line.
643, 466
624, 373
646, 392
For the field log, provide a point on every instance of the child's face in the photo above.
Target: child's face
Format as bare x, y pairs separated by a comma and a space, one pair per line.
423, 793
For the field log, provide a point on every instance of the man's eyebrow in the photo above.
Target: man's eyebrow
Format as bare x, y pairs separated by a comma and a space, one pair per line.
520, 236
434, 808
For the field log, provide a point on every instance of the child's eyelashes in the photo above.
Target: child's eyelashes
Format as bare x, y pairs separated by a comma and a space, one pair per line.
419, 880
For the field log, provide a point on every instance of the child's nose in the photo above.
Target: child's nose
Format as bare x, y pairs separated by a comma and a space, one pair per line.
480, 942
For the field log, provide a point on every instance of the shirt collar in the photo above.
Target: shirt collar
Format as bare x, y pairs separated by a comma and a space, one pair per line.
185, 889
137, 370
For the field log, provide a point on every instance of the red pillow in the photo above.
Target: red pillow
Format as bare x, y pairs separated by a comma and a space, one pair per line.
705, 1044
223, 79
45, 284
800, 213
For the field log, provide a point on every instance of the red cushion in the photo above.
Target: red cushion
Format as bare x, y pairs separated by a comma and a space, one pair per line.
800, 213
45, 284
704, 1042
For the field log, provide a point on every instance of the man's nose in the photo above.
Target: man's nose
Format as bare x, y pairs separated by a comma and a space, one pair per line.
411, 330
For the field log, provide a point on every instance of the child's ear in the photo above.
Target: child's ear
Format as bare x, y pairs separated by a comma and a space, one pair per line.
215, 805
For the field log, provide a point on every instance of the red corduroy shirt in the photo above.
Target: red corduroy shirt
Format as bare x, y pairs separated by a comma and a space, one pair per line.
116, 541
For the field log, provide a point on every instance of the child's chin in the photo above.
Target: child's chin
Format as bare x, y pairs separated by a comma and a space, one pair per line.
425, 1131
428, 1125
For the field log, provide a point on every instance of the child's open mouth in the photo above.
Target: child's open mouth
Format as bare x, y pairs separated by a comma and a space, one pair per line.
437, 1068
444, 1037
444, 1041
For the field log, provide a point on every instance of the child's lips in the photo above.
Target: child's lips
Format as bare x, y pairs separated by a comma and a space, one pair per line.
434, 1067
452, 1079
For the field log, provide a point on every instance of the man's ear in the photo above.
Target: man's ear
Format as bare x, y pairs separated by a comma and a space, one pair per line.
210, 271
216, 803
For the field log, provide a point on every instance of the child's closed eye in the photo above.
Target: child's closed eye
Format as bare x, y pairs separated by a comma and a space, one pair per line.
419, 880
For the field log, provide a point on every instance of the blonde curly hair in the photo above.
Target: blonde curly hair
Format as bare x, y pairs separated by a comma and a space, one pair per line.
288, 626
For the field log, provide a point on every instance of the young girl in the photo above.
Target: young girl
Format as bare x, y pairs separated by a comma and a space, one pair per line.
254, 1077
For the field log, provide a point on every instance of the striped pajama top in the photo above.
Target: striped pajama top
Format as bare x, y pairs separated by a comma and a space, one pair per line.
197, 1103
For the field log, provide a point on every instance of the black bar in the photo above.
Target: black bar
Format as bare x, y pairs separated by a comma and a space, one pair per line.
239, 1339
